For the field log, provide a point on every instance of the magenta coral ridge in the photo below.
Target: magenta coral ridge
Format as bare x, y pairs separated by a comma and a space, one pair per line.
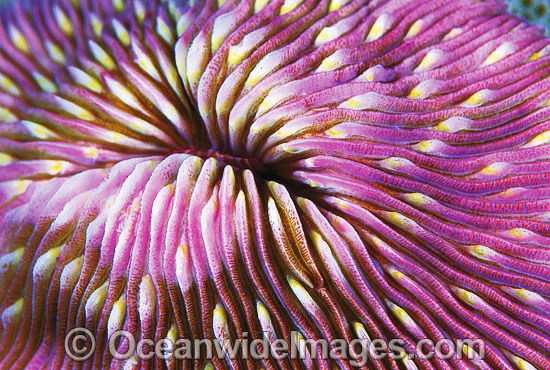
317, 169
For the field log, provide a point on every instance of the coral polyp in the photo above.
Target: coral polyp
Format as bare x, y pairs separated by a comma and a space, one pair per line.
268, 171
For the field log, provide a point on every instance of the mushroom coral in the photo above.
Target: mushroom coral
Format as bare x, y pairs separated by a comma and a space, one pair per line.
286, 169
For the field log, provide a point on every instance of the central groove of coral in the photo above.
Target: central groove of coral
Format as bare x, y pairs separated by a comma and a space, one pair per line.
243, 163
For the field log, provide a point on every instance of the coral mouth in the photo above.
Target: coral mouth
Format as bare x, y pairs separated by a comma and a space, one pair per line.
241, 163
317, 169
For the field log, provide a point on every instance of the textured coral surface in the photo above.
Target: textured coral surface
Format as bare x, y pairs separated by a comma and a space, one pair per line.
337, 169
